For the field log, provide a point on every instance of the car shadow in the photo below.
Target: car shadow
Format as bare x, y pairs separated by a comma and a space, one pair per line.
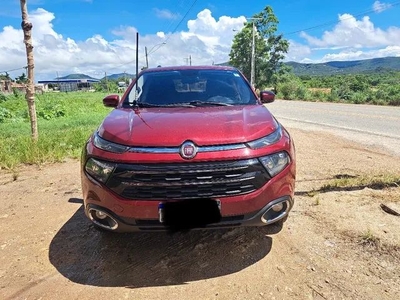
86, 256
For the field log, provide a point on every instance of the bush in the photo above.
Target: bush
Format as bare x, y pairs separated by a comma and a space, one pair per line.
5, 114
302, 93
3, 98
289, 87
358, 98
333, 96
51, 111
318, 96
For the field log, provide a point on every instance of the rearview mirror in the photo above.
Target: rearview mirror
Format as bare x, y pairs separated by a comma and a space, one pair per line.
267, 96
111, 101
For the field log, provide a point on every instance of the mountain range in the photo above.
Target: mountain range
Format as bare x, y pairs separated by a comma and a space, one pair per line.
321, 69
84, 76
347, 67
343, 67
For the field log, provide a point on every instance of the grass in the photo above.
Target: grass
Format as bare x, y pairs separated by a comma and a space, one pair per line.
317, 201
65, 121
369, 239
359, 182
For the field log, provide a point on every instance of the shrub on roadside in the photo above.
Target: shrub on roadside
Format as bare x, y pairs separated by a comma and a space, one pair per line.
358, 97
5, 114
3, 98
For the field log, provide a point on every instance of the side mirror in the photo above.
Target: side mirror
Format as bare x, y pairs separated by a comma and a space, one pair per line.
111, 101
267, 96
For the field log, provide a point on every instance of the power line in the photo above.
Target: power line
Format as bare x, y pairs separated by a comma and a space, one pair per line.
14, 69
165, 41
335, 22
183, 18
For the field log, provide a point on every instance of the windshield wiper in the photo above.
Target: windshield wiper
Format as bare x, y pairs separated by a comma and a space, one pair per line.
142, 104
146, 105
206, 103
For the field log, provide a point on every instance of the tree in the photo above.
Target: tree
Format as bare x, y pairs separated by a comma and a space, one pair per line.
5, 77
270, 49
21, 79
30, 87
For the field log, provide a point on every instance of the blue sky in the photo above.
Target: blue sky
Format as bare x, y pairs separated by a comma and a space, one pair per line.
97, 36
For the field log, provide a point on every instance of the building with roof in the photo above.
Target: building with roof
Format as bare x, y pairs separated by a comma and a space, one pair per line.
68, 85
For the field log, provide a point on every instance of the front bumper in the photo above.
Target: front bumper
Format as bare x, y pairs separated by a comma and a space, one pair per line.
253, 219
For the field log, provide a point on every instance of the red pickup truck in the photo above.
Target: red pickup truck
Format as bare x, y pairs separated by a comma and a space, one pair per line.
188, 147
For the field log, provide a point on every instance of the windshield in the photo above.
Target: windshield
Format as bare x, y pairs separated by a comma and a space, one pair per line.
191, 88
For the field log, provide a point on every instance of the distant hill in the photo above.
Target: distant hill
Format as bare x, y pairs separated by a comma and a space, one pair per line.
225, 64
76, 76
84, 76
120, 75
347, 67
344, 67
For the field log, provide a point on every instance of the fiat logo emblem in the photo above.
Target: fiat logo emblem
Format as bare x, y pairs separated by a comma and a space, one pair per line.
188, 150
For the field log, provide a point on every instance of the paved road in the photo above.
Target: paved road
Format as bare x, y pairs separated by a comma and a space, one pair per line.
377, 126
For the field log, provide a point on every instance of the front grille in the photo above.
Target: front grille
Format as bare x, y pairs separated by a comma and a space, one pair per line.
187, 180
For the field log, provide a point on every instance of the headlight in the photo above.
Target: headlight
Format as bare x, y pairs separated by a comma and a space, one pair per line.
267, 140
276, 162
99, 170
108, 146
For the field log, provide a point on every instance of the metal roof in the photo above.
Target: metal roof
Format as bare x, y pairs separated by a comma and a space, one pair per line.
68, 81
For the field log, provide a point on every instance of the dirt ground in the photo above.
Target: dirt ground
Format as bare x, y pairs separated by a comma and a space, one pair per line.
335, 245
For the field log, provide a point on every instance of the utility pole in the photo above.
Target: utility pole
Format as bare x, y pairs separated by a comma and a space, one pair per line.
147, 57
147, 53
253, 54
188, 60
105, 77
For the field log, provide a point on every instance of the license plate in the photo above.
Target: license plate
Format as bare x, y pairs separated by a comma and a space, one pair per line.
191, 213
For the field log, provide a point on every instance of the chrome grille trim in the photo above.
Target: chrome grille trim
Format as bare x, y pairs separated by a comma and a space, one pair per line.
173, 150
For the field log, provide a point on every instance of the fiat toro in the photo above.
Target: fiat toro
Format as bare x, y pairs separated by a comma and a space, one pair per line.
188, 147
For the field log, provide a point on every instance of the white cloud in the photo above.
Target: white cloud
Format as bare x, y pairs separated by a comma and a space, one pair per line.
297, 51
350, 32
161, 34
207, 40
355, 54
379, 7
166, 14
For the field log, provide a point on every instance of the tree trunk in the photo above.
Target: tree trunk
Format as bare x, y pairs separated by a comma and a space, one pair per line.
30, 86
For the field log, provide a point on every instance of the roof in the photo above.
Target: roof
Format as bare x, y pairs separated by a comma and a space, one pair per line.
68, 81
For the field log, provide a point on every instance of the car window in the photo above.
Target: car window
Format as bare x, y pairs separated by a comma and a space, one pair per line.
186, 86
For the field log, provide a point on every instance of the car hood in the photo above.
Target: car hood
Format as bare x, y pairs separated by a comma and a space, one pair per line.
169, 127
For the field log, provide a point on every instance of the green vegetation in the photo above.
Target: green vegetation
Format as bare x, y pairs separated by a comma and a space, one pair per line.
270, 49
65, 121
360, 182
369, 239
374, 65
377, 88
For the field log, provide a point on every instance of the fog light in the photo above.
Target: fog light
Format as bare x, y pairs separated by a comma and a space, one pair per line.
277, 207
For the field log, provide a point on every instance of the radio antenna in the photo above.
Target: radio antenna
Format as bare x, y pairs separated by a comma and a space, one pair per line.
137, 55
135, 102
